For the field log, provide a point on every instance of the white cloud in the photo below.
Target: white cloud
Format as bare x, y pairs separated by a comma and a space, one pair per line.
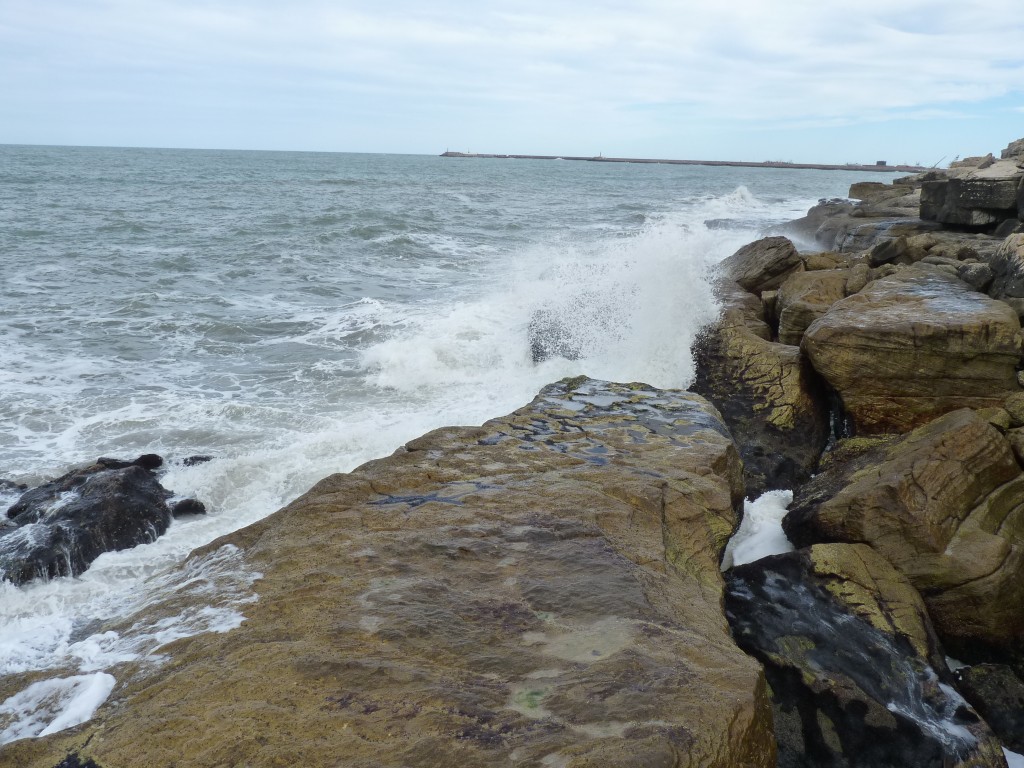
652, 61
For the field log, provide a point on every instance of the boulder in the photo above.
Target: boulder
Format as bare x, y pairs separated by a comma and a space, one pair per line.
856, 674
912, 346
60, 527
860, 234
998, 696
892, 250
978, 276
1008, 269
806, 296
762, 265
542, 590
820, 226
772, 401
1015, 149
981, 197
945, 505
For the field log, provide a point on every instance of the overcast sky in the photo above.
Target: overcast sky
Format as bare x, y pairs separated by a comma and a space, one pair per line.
801, 80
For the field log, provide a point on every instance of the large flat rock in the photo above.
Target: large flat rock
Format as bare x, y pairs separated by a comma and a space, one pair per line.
913, 346
540, 591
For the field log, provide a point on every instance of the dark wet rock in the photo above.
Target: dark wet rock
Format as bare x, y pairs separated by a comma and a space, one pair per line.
188, 507
191, 461
767, 393
150, 461
74, 761
998, 695
11, 486
60, 527
945, 505
856, 675
541, 590
912, 346
762, 265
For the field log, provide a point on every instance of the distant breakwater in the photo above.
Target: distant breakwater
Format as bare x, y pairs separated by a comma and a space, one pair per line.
878, 167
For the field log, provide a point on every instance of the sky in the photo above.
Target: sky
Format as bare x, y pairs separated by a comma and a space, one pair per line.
906, 81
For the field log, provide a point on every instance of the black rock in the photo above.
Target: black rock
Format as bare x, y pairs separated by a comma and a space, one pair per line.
191, 461
845, 693
60, 527
188, 507
148, 461
998, 694
74, 761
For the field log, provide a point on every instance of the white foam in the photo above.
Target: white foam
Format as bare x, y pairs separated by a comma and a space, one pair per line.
49, 706
760, 533
330, 385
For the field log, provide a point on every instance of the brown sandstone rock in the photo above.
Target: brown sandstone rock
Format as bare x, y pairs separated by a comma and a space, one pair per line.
806, 296
945, 505
912, 346
857, 676
540, 591
767, 393
762, 265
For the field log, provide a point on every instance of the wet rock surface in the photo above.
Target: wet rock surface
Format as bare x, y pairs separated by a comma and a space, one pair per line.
769, 396
60, 527
543, 590
853, 666
945, 505
912, 346
997, 693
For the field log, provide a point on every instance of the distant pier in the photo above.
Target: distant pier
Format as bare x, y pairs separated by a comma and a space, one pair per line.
880, 167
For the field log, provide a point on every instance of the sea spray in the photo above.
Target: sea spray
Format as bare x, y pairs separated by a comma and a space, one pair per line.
297, 314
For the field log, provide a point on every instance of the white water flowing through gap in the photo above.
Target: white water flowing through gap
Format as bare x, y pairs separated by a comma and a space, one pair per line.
297, 315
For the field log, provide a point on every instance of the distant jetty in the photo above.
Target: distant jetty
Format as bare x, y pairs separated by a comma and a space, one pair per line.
880, 167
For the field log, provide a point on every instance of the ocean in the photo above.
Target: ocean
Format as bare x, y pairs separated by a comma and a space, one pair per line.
294, 314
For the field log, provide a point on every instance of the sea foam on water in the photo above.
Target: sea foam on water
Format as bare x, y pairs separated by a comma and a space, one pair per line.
299, 328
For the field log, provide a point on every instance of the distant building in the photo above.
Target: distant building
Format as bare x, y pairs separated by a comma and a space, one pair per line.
880, 162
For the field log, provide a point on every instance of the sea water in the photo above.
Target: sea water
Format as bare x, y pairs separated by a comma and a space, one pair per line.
296, 314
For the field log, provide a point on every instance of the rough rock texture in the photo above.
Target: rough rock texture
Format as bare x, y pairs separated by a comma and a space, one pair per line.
806, 296
915, 345
1008, 269
1015, 149
945, 505
540, 591
856, 675
982, 196
773, 403
59, 528
998, 695
762, 265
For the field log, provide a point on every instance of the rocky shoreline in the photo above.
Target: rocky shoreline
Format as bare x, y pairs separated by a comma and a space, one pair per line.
546, 589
